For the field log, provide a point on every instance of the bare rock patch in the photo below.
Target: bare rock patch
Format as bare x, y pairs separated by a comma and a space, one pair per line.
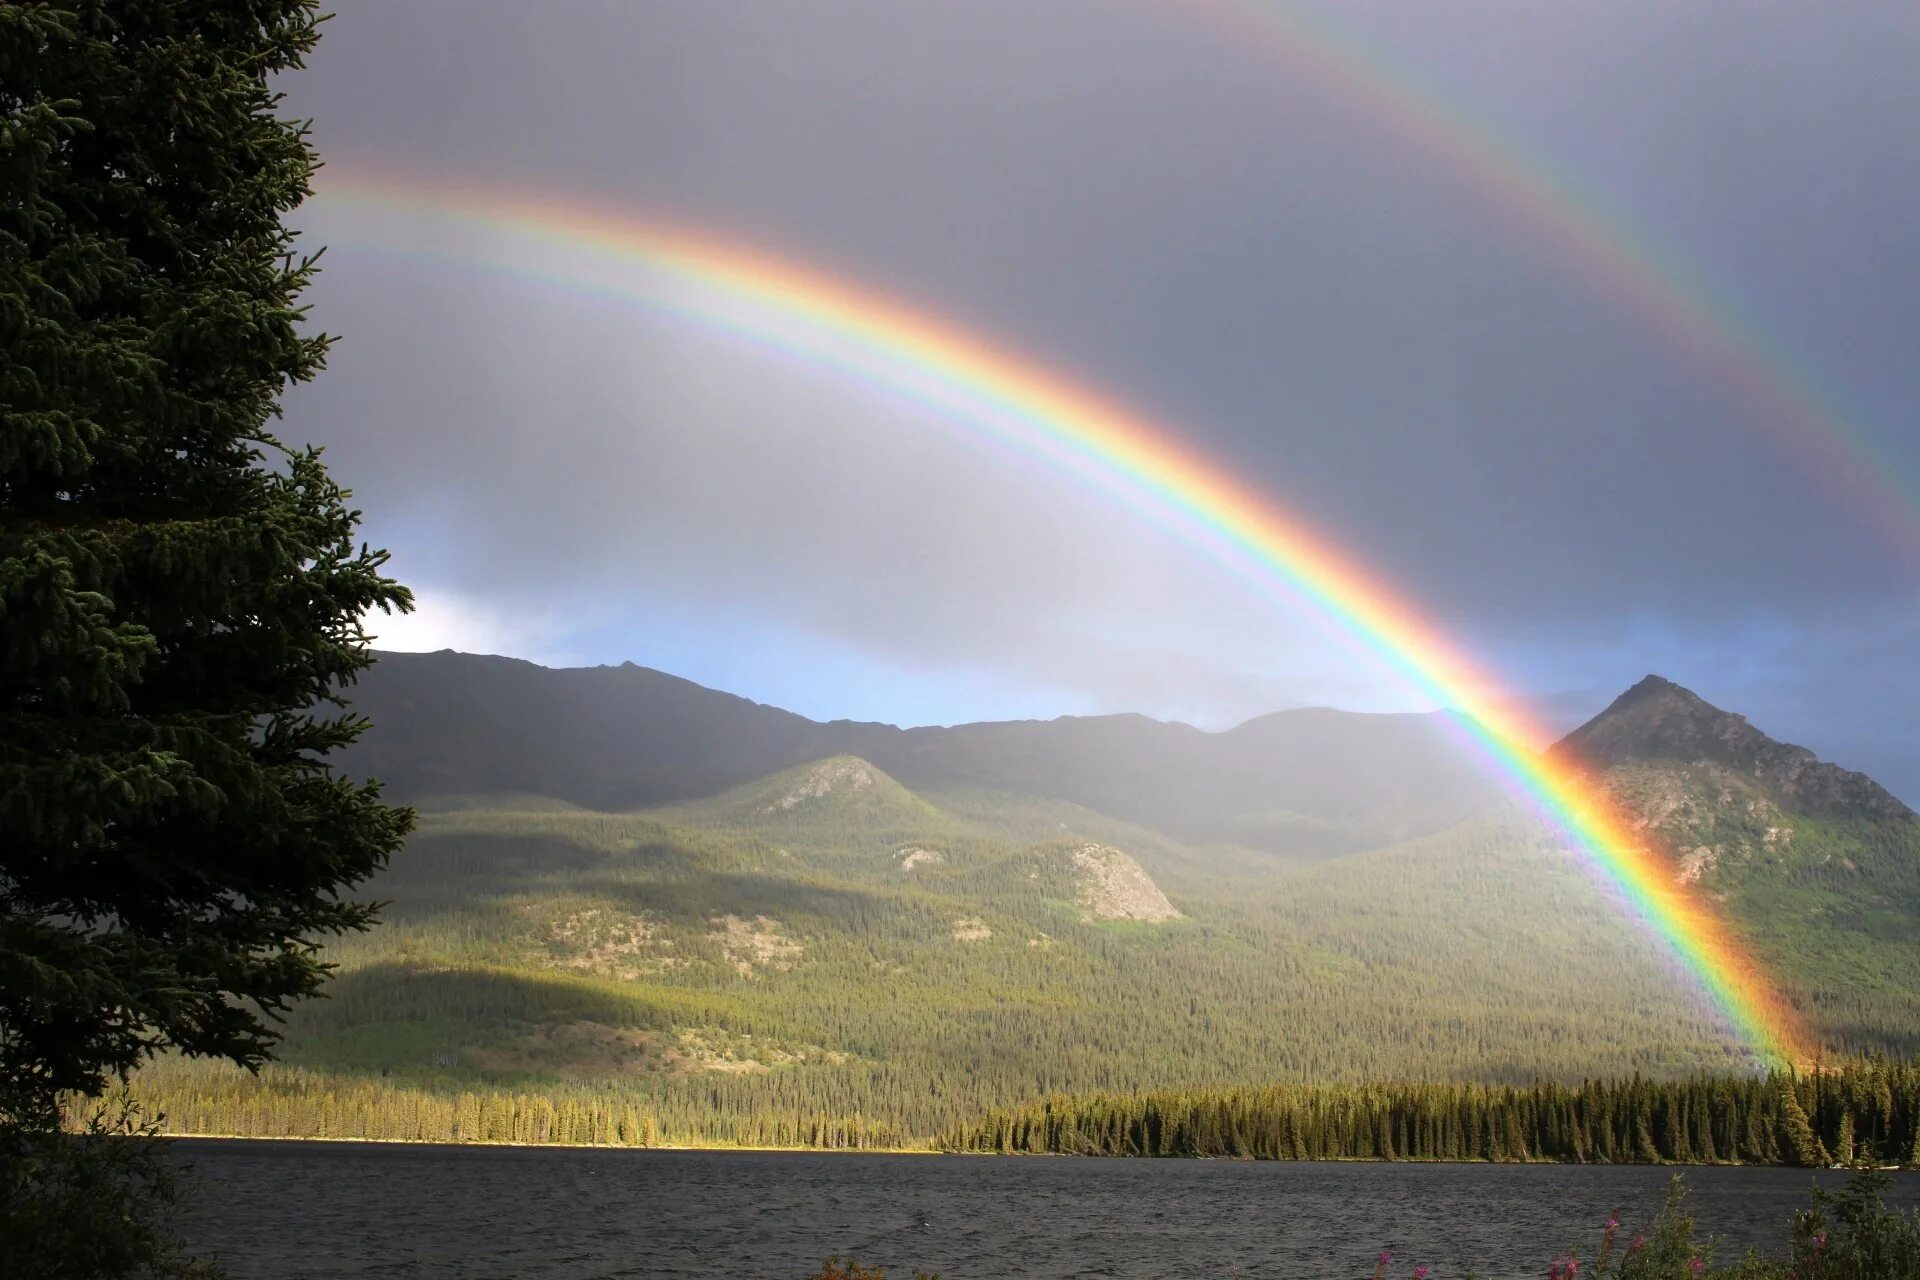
1115, 887
1697, 863
823, 780
614, 944
754, 946
971, 929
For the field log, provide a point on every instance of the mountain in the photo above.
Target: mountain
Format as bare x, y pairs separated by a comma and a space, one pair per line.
1658, 721
1820, 865
604, 737
1309, 782
744, 926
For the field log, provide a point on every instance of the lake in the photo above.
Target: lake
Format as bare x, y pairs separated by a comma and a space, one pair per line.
280, 1210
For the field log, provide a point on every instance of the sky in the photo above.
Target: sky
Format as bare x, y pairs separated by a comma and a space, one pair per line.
1173, 204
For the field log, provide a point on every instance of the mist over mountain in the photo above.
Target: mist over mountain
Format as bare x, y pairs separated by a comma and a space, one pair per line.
1313, 781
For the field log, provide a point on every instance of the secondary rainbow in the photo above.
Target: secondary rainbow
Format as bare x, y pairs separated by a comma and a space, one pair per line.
749, 292
1776, 394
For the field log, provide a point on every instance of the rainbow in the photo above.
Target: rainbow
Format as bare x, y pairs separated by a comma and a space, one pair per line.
1776, 395
798, 310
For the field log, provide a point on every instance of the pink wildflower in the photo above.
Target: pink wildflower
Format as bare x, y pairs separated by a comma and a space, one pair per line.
1420, 1272
1695, 1264
1639, 1242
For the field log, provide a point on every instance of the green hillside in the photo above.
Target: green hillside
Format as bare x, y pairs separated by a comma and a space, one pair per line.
825, 950
917, 969
1820, 865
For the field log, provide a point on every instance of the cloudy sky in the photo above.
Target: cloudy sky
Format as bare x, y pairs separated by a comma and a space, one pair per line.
1249, 223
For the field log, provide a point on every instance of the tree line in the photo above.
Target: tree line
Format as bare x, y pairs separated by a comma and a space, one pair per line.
287, 1102
1866, 1111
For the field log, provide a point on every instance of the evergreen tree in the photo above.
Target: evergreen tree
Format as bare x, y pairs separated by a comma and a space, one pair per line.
1703, 1146
1644, 1149
1882, 1087
180, 594
1761, 1148
1843, 1146
1801, 1146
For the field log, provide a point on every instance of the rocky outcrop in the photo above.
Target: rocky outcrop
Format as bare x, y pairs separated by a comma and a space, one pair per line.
842, 774
1115, 887
753, 946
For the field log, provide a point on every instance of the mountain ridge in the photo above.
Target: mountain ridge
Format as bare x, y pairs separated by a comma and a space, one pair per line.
1310, 781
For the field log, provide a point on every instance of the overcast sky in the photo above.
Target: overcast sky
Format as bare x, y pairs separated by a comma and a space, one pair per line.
1162, 204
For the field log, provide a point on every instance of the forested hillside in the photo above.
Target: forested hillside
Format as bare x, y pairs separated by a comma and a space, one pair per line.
1818, 863
825, 951
866, 952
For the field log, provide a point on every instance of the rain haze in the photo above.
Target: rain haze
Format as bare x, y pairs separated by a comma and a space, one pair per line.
1186, 207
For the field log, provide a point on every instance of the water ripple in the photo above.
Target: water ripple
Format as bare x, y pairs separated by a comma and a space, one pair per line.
343, 1211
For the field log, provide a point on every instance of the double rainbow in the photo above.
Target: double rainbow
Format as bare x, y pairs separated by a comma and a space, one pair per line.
962, 376
1776, 394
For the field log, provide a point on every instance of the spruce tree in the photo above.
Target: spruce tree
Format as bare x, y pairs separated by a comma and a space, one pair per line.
1800, 1144
1843, 1145
180, 594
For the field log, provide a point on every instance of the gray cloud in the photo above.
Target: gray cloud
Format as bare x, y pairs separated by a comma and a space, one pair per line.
1171, 212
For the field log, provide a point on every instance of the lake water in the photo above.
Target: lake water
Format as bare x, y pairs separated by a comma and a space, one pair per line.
280, 1211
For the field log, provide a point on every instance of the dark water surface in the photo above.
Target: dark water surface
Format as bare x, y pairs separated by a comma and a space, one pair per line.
280, 1209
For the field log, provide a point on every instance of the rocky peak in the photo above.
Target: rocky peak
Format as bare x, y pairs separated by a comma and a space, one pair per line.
1659, 721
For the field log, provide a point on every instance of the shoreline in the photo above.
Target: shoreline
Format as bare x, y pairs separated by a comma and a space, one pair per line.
568, 1146
1008, 1155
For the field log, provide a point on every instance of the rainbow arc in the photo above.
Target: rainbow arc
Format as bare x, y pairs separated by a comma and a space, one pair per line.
1045, 414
